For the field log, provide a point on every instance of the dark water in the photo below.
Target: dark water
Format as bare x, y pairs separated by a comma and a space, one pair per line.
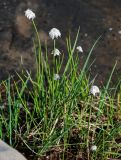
94, 17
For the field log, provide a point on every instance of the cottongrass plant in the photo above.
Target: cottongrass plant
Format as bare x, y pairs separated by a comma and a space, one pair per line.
54, 116
79, 49
54, 33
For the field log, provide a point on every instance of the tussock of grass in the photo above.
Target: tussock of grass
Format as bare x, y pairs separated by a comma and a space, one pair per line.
59, 118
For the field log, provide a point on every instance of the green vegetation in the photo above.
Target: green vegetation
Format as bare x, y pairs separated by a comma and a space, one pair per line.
45, 116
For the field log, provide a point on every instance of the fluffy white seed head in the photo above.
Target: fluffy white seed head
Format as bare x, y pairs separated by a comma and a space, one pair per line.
94, 90
119, 32
54, 33
30, 14
79, 49
93, 148
56, 77
110, 29
56, 52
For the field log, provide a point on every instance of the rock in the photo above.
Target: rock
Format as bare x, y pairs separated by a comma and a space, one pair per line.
5, 39
23, 26
8, 153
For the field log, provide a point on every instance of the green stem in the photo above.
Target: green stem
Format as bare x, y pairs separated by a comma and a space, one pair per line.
39, 50
41, 61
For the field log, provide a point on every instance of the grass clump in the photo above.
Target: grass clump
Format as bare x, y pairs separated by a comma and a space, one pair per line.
55, 116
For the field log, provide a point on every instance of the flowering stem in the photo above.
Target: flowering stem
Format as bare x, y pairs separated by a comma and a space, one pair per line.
39, 48
37, 36
54, 44
54, 58
41, 59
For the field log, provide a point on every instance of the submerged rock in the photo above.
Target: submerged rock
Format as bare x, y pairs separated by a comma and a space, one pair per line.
8, 153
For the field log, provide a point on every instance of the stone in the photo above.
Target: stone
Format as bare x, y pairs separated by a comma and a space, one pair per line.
9, 153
